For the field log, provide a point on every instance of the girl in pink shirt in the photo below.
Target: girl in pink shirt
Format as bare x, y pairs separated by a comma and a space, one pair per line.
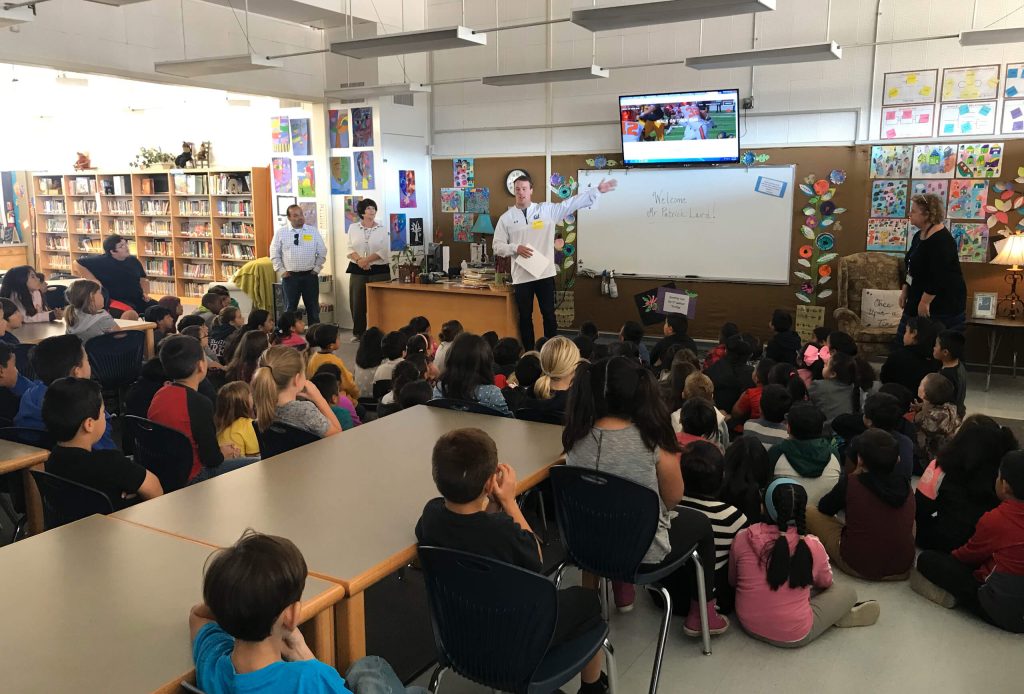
784, 589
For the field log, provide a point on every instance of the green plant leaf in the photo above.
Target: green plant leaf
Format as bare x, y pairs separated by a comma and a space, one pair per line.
826, 258
807, 232
805, 262
803, 297
825, 197
808, 211
827, 222
825, 294
838, 210
802, 275
815, 200
568, 263
806, 190
570, 237
825, 279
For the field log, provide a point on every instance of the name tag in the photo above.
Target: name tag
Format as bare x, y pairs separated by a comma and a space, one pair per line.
307, 237
538, 224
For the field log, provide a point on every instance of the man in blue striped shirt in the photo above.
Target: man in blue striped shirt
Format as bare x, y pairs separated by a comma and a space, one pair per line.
299, 252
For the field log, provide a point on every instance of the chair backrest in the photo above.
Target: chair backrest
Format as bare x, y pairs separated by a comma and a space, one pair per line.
116, 357
463, 406
281, 438
860, 271
606, 522
381, 388
22, 361
65, 501
165, 452
40, 438
55, 297
493, 622
530, 414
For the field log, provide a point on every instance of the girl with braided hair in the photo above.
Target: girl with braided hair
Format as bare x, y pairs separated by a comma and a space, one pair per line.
774, 565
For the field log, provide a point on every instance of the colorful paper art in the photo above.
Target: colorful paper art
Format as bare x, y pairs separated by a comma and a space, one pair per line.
349, 205
934, 161
462, 229
939, 188
974, 118
887, 235
967, 198
309, 213
362, 127
300, 137
282, 169
970, 83
462, 173
647, 305
341, 175
364, 170
416, 231
1013, 85
908, 121
280, 133
451, 200
477, 200
912, 87
891, 161
888, 199
307, 178
397, 232
337, 134
980, 160
1013, 117
971, 241
406, 188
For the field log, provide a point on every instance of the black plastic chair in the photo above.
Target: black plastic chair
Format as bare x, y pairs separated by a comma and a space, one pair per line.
40, 438
493, 624
116, 360
281, 438
607, 523
191, 688
165, 452
463, 406
65, 501
380, 389
530, 414
22, 361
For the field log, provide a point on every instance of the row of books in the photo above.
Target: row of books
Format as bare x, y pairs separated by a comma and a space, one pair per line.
158, 247
59, 262
85, 207
56, 224
88, 245
228, 270
88, 226
234, 208
191, 184
50, 185
200, 229
154, 185
238, 230
151, 207
54, 207
194, 208
117, 185
83, 185
197, 249
231, 184
237, 251
57, 243
160, 267
161, 287
202, 271
123, 226
158, 227
120, 206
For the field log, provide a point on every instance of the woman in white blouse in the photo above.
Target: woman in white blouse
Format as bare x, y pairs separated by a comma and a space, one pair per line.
369, 248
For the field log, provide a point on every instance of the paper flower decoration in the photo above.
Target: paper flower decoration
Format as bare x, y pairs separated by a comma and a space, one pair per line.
806, 251
825, 270
569, 250
600, 162
807, 288
838, 176
557, 179
828, 207
559, 256
571, 219
559, 243
564, 191
811, 221
748, 158
821, 186
651, 303
825, 242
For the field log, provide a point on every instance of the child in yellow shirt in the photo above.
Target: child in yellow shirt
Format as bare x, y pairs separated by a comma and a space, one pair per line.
324, 338
233, 418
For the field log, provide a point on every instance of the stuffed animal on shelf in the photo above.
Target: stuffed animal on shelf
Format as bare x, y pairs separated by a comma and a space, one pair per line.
183, 160
83, 162
204, 155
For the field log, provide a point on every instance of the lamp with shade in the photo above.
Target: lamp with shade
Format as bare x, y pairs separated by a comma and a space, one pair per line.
1012, 255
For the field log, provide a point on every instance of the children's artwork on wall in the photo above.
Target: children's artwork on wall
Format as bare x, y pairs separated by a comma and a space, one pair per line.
406, 188
282, 168
1013, 117
647, 305
911, 87
888, 199
351, 215
972, 241
970, 83
939, 188
362, 127
364, 170
934, 161
463, 227
463, 174
416, 231
280, 133
891, 161
980, 160
967, 198
399, 240
451, 200
337, 133
307, 178
309, 213
974, 118
887, 235
900, 122
341, 175
1013, 87
478, 200
300, 137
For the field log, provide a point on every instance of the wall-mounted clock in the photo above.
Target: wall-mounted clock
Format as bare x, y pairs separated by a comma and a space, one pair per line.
510, 180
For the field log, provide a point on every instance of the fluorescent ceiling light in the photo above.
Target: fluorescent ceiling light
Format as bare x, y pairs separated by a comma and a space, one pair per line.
768, 56
988, 37
544, 76
202, 67
647, 14
375, 90
409, 42
17, 15
116, 3
296, 11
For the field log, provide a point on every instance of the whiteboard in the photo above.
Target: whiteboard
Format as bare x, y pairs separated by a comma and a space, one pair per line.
690, 223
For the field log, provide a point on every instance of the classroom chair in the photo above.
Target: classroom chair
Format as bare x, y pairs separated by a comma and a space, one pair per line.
116, 360
607, 524
380, 389
463, 406
191, 688
493, 623
281, 438
530, 414
40, 438
165, 452
22, 362
65, 501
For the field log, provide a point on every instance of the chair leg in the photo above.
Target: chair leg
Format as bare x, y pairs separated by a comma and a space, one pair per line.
603, 589
666, 620
435, 679
702, 605
559, 572
610, 666
543, 512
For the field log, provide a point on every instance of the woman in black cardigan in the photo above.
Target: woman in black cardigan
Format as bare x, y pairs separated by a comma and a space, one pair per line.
934, 286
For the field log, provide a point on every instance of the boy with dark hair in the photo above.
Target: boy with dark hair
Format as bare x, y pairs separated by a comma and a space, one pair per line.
468, 475
164, 320
748, 406
527, 371
53, 358
506, 354
675, 331
937, 418
191, 319
770, 429
784, 345
585, 346
210, 307
491, 338
73, 413
877, 540
589, 329
912, 360
633, 333
884, 411
949, 350
12, 384
327, 384
392, 346
698, 420
986, 575
416, 393
806, 456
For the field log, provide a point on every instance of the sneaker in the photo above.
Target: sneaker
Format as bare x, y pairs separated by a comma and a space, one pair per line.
355, 338
863, 614
625, 595
717, 624
599, 687
922, 586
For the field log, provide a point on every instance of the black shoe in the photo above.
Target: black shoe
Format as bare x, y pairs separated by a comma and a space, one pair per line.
599, 687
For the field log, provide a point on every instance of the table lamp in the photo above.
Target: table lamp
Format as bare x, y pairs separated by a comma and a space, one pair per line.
1012, 254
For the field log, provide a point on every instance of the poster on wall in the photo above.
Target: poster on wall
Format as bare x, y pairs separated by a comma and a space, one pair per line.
399, 241
911, 87
971, 241
451, 199
341, 175
462, 229
300, 137
310, 215
1013, 88
279, 131
305, 171
907, 121
939, 188
891, 161
934, 161
364, 170
477, 200
975, 118
979, 160
970, 83
888, 199
462, 173
967, 198
416, 231
362, 127
282, 168
351, 214
1013, 117
337, 133
406, 188
887, 235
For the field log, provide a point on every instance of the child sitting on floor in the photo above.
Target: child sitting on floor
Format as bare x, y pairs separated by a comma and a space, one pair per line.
12, 316
937, 419
912, 360
234, 417
328, 386
749, 404
718, 351
784, 345
806, 455
290, 328
949, 350
323, 340
770, 429
697, 417
356, 412
815, 354
279, 379
449, 331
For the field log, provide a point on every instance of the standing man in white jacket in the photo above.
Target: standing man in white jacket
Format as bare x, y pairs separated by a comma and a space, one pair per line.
528, 227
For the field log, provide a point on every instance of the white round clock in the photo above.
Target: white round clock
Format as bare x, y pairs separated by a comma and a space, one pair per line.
510, 180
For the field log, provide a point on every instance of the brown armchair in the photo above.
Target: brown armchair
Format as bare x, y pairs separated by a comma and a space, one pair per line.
858, 272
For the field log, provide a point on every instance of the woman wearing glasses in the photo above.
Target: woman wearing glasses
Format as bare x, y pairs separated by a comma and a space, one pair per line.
369, 248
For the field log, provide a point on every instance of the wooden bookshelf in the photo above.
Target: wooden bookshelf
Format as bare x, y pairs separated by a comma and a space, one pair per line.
188, 227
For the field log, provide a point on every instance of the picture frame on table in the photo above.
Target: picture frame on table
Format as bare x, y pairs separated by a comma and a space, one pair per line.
984, 305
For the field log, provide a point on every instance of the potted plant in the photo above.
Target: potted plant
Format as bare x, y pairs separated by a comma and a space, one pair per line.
152, 158
408, 266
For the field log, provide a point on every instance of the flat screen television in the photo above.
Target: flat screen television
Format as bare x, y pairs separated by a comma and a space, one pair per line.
679, 128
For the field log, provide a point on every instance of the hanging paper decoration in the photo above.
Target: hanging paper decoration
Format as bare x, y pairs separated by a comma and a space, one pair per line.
307, 178
601, 162
971, 241
397, 232
406, 188
463, 173
819, 226
300, 137
341, 175
451, 199
281, 134
362, 127
477, 200
751, 158
1007, 208
462, 226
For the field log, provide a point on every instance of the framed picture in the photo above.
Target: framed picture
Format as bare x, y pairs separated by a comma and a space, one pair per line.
984, 305
283, 203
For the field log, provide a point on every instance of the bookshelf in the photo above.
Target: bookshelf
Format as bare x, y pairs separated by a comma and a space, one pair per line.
187, 227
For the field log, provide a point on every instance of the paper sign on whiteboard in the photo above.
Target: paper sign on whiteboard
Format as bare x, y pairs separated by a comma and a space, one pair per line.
770, 186
676, 301
880, 308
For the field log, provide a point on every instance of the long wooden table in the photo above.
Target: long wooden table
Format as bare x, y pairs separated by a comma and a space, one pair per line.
350, 502
18, 458
102, 605
34, 333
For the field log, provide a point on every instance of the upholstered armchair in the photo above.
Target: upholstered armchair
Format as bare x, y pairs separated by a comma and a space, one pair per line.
858, 272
